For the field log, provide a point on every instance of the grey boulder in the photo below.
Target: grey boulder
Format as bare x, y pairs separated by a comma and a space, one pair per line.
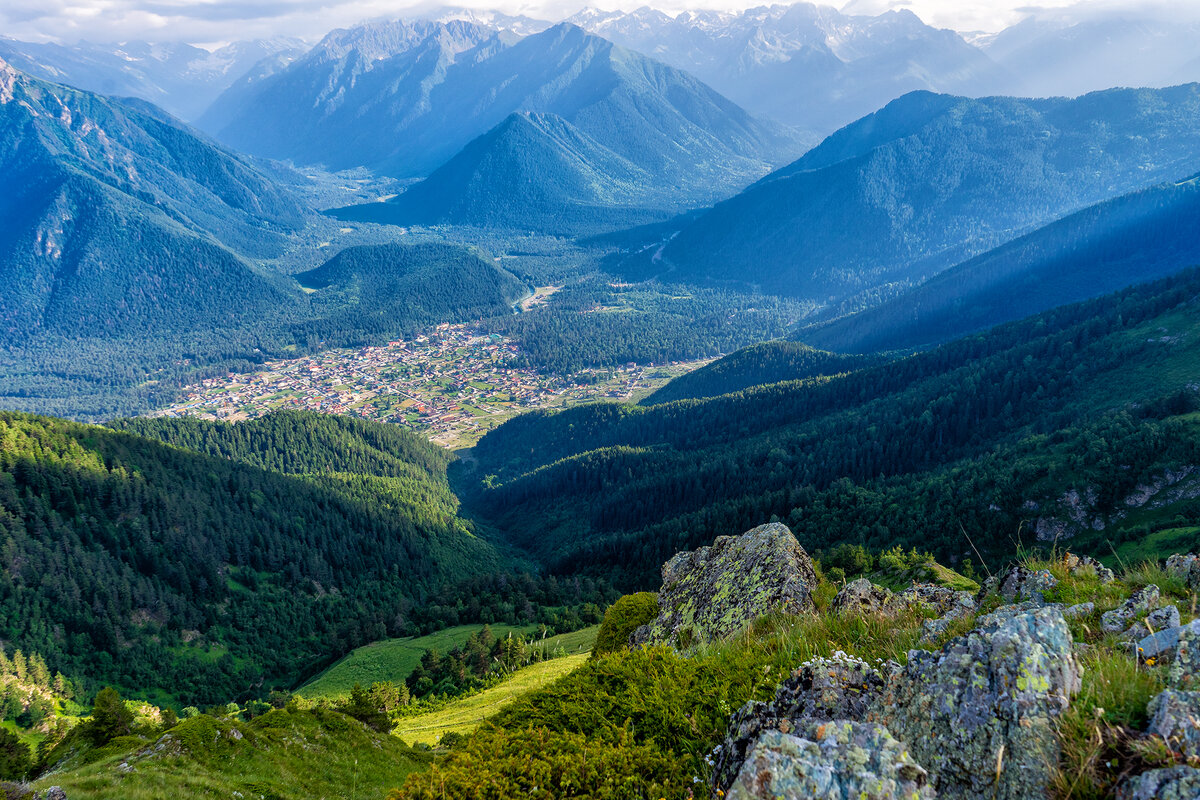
831, 761
714, 592
979, 714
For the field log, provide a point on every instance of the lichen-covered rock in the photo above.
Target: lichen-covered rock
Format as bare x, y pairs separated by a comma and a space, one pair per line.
714, 592
1077, 565
1185, 664
1079, 610
1021, 583
941, 600
831, 761
1185, 568
985, 704
1140, 602
840, 687
1175, 716
863, 597
1157, 620
1172, 783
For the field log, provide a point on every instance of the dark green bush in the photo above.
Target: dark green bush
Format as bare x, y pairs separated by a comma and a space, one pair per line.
622, 619
540, 763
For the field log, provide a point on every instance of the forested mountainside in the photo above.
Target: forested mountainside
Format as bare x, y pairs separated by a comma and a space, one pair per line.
597, 323
119, 220
929, 181
1132, 239
201, 561
530, 172
807, 65
756, 365
403, 98
374, 291
156, 567
992, 437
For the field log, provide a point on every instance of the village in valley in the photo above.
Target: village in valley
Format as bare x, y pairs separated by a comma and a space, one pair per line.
453, 384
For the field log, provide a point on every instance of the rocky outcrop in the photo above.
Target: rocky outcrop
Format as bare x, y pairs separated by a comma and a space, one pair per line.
1185, 664
1175, 716
831, 761
1185, 568
1141, 602
822, 689
1079, 610
979, 713
863, 597
1081, 565
714, 592
1172, 783
940, 600
1020, 583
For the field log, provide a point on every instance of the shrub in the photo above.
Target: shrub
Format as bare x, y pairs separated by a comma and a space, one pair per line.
110, 717
622, 618
540, 763
15, 757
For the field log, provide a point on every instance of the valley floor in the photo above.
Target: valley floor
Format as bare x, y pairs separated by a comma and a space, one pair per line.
451, 384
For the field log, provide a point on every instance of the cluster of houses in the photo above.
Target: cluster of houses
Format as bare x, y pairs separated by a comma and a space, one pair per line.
451, 383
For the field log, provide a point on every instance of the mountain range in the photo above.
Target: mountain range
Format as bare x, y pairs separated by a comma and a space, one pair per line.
180, 78
404, 98
927, 182
808, 65
1073, 51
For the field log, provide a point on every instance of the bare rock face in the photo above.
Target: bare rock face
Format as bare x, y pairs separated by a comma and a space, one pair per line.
714, 592
840, 687
979, 713
831, 761
1172, 783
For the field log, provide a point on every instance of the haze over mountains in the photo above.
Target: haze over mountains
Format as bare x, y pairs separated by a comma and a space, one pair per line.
1135, 238
807, 65
929, 181
181, 78
403, 98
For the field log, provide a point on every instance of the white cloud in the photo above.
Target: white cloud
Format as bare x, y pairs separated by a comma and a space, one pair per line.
223, 20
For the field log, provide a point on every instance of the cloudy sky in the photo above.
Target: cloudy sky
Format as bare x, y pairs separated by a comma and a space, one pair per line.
224, 20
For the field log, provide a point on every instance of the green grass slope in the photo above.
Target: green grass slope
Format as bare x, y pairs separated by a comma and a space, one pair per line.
389, 660
465, 715
285, 755
394, 659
